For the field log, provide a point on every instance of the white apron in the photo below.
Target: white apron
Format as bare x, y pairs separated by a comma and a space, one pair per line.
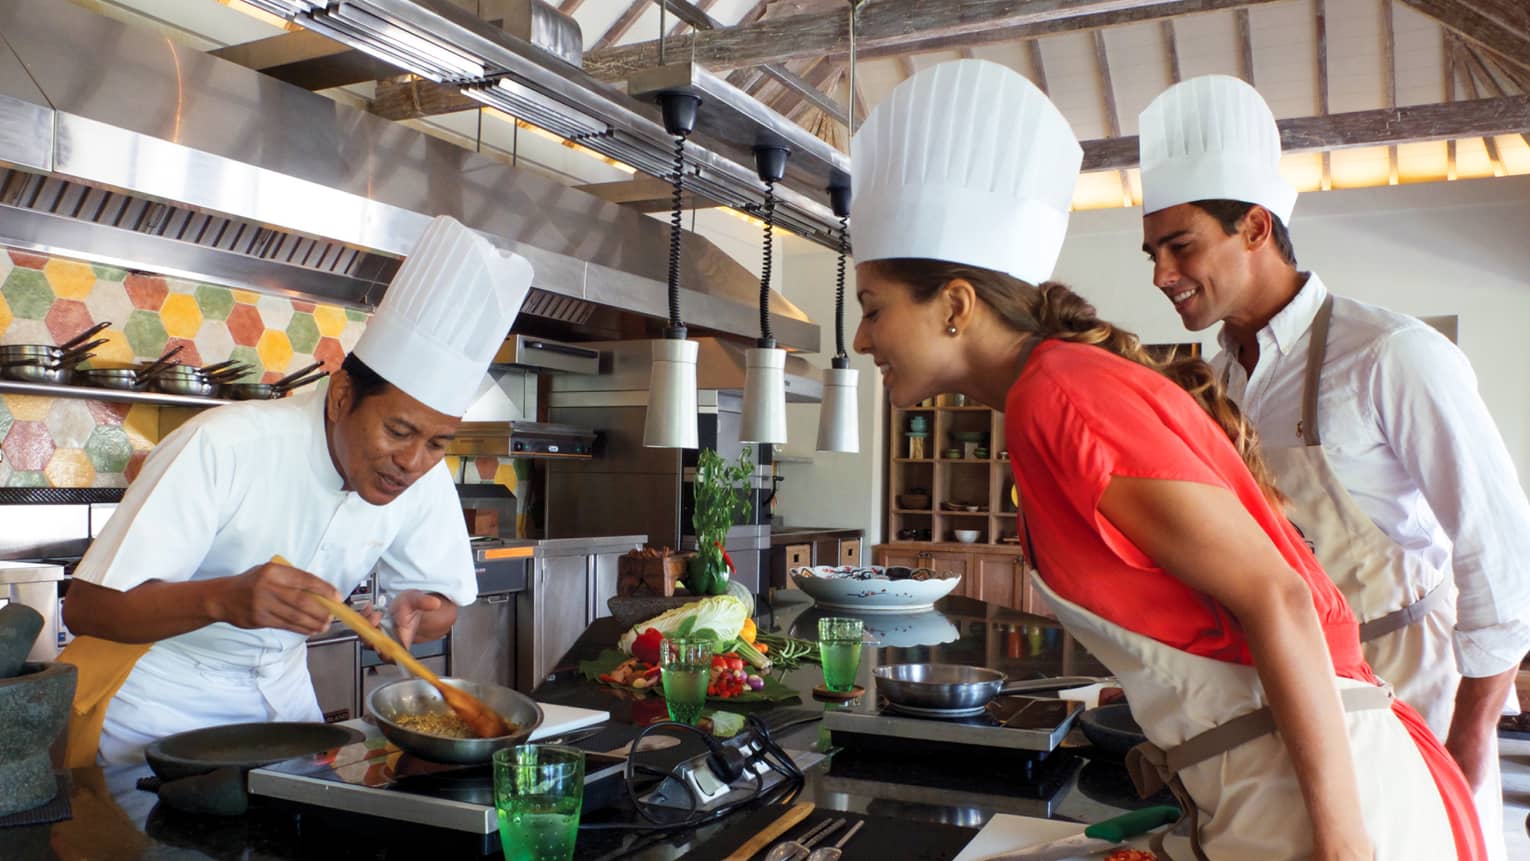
1406, 607
1248, 804
175, 690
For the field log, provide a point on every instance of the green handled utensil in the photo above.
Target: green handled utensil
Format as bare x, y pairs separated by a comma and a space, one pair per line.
1099, 837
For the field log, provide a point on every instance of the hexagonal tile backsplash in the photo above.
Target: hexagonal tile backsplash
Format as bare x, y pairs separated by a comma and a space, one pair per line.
65, 442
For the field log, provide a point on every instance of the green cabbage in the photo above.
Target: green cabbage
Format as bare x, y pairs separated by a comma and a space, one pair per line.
719, 618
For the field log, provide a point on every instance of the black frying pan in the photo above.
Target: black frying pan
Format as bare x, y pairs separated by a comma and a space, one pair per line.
1112, 729
244, 745
203, 771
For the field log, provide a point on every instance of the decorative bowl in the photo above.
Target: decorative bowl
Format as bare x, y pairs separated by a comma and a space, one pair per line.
873, 588
966, 536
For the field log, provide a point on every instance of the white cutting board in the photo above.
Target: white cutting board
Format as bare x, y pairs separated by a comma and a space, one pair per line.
557, 720
1006, 833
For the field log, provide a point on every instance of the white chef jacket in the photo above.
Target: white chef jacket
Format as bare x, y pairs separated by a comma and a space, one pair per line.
1412, 442
239, 484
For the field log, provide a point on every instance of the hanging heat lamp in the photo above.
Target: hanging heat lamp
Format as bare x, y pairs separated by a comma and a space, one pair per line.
839, 427
764, 418
671, 421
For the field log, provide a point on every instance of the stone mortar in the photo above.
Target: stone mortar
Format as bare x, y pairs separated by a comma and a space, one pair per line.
34, 707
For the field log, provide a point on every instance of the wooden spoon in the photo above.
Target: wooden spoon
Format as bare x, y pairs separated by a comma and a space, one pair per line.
484, 721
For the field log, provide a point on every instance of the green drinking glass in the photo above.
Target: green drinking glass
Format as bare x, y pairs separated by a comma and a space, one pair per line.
839, 650
685, 667
538, 791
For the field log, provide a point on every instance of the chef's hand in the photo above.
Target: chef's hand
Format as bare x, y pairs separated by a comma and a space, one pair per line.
410, 609
1474, 724
273, 595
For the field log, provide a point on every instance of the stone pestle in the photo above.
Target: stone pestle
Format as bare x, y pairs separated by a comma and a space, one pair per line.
19, 627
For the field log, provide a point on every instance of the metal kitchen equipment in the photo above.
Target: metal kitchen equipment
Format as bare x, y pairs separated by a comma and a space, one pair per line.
1009, 724
417, 697
369, 784
36, 586
600, 267
599, 494
955, 690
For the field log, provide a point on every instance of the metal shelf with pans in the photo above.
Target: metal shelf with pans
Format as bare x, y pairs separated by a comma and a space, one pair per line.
46, 390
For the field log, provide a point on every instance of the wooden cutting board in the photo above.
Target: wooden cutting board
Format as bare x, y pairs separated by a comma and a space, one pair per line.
1006, 833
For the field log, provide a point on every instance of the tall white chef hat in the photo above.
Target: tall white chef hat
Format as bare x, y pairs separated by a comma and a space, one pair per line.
966, 162
1212, 138
444, 316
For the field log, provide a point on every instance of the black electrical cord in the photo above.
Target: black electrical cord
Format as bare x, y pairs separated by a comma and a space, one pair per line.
776, 758
839, 289
766, 338
677, 184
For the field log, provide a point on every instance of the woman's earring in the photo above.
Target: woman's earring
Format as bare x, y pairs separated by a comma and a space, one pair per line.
950, 330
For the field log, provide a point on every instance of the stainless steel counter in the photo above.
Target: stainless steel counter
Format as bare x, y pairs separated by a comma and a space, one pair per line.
571, 578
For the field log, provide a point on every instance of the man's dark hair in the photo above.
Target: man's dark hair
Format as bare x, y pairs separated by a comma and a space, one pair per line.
1229, 212
364, 381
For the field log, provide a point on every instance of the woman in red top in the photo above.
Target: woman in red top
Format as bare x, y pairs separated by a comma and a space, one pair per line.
1156, 529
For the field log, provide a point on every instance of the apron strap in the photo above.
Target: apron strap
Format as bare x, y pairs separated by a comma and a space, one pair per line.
1317, 351
1399, 619
1153, 769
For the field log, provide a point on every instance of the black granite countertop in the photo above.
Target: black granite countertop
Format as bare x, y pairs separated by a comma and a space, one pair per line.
917, 806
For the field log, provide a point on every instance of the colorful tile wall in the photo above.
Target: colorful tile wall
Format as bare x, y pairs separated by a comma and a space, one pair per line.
67, 442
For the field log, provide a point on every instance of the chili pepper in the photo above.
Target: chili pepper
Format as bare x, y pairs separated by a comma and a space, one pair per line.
726, 558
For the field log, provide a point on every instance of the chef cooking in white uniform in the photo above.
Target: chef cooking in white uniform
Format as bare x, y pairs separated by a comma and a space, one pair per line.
183, 620
1396, 473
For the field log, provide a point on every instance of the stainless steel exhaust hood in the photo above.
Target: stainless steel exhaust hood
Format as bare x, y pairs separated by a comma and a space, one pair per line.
153, 155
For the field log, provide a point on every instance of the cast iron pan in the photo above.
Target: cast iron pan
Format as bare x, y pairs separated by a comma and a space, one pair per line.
202, 771
1111, 729
243, 745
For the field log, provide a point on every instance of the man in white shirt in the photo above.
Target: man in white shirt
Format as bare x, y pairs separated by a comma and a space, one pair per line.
339, 483
1396, 473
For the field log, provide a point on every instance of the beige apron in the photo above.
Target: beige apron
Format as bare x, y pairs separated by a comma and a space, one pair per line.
1241, 795
1406, 607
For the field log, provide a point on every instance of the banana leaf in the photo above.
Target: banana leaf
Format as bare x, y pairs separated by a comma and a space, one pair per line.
610, 659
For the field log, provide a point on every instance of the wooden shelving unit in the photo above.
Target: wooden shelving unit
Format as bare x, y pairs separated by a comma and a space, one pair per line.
971, 481
991, 568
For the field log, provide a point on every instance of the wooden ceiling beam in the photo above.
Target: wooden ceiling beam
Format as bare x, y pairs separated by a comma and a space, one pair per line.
696, 15
1245, 46
622, 24
1171, 49
1038, 67
1476, 66
1389, 78
1108, 99
1406, 124
1448, 40
893, 27
1320, 15
1488, 142
1500, 26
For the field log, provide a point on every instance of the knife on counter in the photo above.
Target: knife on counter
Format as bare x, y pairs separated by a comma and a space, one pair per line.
1099, 837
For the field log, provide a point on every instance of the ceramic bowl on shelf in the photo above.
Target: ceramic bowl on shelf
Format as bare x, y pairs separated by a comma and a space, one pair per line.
873, 588
953, 454
913, 499
966, 536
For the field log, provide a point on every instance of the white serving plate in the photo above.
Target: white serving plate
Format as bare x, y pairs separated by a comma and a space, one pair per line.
863, 589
